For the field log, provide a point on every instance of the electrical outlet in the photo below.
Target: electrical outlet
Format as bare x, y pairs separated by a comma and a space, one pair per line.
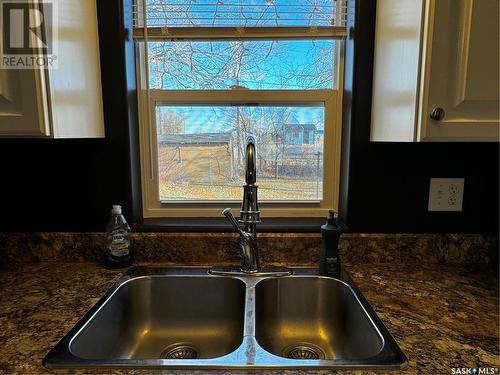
446, 194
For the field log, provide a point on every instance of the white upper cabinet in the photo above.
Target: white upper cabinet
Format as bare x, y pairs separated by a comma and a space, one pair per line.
64, 101
23, 104
436, 72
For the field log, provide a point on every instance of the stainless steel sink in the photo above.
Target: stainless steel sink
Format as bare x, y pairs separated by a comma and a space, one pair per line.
166, 317
313, 318
187, 318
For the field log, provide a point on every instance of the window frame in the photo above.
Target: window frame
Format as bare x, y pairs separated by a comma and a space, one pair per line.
330, 99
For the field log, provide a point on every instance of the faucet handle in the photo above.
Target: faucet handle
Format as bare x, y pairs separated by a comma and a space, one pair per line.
227, 213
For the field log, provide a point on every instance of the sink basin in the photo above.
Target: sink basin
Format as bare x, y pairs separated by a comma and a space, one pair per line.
188, 318
313, 318
166, 317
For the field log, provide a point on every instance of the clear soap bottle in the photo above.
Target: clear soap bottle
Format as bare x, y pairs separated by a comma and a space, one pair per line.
118, 251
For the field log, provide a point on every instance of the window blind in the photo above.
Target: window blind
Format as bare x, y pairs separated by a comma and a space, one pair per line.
239, 17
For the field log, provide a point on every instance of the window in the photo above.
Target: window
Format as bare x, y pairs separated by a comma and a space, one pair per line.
212, 72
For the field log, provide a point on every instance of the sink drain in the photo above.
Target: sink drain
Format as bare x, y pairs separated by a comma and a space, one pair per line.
179, 351
303, 351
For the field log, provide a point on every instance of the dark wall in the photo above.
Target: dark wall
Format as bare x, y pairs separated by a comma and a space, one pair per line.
67, 185
385, 186
70, 185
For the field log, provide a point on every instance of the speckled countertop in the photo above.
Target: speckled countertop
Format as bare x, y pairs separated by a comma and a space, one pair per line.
442, 316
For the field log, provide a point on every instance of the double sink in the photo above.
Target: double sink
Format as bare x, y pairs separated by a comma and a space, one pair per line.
188, 318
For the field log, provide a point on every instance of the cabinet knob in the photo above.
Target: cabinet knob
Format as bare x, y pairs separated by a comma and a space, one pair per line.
437, 114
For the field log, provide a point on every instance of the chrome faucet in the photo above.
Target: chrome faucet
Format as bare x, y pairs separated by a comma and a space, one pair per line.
249, 213
249, 218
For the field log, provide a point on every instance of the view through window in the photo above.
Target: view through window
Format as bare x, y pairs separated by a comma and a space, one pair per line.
201, 152
201, 142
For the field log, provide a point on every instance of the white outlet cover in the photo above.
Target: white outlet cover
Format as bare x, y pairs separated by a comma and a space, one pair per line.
446, 194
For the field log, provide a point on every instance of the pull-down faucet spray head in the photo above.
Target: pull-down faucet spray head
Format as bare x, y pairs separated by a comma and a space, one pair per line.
251, 170
249, 213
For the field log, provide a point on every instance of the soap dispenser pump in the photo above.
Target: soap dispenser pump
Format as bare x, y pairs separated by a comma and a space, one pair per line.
329, 262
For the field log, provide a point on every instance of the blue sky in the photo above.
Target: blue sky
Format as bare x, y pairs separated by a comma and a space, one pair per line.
297, 64
240, 13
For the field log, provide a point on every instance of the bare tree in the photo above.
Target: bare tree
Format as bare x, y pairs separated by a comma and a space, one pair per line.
240, 64
274, 136
170, 122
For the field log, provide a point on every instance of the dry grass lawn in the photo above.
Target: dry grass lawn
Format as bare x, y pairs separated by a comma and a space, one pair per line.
269, 189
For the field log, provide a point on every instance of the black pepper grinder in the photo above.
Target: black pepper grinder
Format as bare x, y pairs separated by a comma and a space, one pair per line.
329, 261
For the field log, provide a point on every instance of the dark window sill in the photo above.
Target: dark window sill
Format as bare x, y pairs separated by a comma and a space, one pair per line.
211, 225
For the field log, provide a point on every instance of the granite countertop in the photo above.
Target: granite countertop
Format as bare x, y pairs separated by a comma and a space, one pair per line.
442, 316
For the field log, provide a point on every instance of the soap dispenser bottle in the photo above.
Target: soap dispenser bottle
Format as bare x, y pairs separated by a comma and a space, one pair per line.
329, 262
118, 251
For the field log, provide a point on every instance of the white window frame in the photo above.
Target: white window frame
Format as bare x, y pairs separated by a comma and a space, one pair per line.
330, 99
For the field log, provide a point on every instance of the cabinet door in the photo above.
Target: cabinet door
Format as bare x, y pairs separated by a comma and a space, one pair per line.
64, 102
75, 86
23, 110
461, 71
